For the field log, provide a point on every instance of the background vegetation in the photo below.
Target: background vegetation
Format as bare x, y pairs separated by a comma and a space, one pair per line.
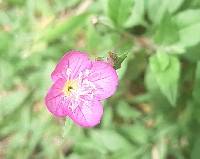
155, 113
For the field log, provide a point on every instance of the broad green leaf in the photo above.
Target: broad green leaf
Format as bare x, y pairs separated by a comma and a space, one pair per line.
156, 97
175, 5
188, 23
137, 14
110, 140
126, 111
167, 31
164, 61
54, 32
119, 11
93, 39
137, 133
166, 69
157, 8
190, 36
83, 146
187, 17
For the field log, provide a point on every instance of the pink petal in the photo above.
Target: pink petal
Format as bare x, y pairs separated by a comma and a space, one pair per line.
75, 61
105, 78
55, 100
87, 114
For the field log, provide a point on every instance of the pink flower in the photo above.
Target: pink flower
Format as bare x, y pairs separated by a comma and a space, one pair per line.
79, 86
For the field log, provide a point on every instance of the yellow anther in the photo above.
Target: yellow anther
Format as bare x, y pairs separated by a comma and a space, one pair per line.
70, 85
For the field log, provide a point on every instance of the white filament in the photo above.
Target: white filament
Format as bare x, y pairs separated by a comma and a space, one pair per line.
84, 94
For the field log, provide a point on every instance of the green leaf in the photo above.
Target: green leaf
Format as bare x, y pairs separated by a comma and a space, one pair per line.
84, 146
41, 79
107, 117
137, 14
137, 133
188, 23
196, 150
167, 31
93, 39
192, 53
11, 102
16, 2
156, 97
163, 60
190, 36
119, 11
5, 39
174, 5
56, 31
166, 69
126, 111
110, 140
67, 127
156, 9
38, 130
6, 73
160, 149
196, 90
187, 18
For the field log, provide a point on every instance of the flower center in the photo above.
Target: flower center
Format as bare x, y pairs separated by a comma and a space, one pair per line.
69, 87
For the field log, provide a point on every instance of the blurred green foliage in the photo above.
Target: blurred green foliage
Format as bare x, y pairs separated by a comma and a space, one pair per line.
155, 114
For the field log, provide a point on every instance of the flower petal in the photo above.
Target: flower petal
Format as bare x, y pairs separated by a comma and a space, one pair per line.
105, 78
55, 100
74, 61
87, 113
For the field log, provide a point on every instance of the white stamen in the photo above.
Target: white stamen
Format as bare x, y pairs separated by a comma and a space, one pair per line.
83, 94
